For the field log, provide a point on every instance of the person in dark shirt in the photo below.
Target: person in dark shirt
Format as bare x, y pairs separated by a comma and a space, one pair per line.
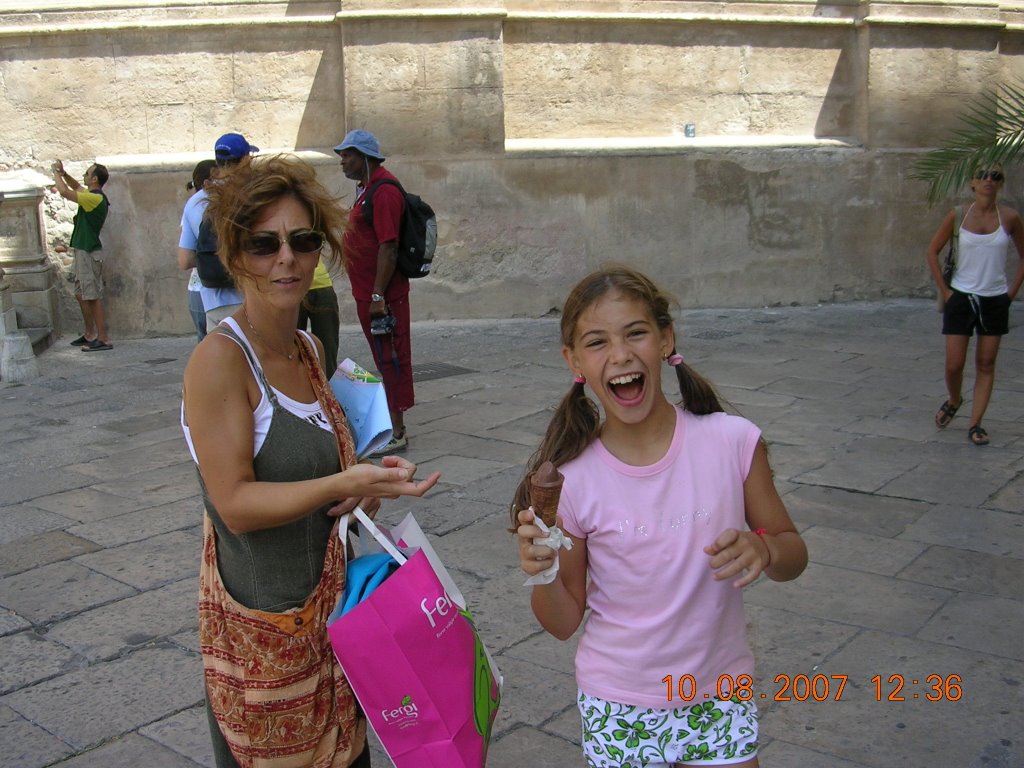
380, 290
87, 250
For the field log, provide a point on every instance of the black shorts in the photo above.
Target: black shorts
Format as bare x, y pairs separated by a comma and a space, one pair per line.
965, 312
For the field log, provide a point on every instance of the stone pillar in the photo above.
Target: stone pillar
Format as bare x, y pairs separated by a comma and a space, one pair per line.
8, 320
28, 274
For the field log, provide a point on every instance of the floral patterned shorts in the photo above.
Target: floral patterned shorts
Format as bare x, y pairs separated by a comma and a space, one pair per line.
714, 732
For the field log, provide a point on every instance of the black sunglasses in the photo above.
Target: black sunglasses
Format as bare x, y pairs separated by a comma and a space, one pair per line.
994, 175
269, 243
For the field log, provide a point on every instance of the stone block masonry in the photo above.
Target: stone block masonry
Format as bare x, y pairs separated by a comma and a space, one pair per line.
549, 137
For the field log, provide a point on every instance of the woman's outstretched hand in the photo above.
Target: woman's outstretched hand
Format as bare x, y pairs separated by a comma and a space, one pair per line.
393, 478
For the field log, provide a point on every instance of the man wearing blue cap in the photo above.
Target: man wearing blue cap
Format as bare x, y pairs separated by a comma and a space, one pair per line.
197, 246
380, 291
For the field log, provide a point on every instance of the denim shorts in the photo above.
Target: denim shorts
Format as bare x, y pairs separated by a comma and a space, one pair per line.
713, 732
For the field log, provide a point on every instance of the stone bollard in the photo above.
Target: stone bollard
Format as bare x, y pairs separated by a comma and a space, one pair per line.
17, 360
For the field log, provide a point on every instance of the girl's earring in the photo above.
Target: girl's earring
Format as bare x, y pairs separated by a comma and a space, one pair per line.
579, 378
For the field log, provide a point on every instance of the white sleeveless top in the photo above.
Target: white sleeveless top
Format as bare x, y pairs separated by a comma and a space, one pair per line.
311, 412
981, 262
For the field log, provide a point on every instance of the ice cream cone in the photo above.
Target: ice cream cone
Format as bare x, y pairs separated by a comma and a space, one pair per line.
545, 490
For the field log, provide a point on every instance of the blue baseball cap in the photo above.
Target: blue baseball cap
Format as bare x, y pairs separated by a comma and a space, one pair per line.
362, 141
233, 146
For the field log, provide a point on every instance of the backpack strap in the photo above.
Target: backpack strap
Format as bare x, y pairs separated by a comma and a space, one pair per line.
368, 197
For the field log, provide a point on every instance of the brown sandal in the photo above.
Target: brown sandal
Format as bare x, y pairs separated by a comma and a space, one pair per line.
977, 435
946, 413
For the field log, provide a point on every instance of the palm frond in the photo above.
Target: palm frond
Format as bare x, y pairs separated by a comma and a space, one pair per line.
991, 130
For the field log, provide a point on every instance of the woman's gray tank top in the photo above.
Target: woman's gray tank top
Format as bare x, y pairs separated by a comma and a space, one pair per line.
276, 569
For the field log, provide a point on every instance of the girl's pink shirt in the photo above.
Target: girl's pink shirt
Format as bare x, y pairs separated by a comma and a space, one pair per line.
656, 609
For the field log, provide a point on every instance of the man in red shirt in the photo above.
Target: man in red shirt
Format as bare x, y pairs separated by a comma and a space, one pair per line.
381, 292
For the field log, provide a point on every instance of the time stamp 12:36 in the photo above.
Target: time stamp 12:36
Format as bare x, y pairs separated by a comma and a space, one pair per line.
802, 687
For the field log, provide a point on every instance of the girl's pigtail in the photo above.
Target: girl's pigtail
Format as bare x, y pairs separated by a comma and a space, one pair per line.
573, 427
699, 397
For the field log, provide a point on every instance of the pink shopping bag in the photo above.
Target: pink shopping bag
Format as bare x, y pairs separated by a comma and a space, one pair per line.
416, 663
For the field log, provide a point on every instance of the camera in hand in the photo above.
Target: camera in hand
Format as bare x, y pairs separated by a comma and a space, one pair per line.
382, 325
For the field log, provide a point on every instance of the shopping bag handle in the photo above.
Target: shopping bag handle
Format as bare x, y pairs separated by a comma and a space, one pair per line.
379, 536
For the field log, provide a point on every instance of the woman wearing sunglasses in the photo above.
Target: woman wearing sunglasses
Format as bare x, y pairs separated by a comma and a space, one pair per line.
978, 297
276, 468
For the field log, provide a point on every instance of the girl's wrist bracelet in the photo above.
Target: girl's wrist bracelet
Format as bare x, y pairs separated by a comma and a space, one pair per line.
762, 532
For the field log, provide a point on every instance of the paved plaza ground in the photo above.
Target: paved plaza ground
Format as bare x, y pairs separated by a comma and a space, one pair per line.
916, 541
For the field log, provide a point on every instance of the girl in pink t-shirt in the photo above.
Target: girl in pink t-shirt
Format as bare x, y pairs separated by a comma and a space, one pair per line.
668, 511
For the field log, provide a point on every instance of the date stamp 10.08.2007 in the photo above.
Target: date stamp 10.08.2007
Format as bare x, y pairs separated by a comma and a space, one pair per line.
800, 687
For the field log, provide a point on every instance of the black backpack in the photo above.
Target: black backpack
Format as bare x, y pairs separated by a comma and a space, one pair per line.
211, 271
417, 234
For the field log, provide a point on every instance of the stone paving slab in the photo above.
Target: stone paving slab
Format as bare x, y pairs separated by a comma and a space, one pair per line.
867, 464
459, 471
156, 486
976, 530
788, 644
130, 752
446, 511
535, 705
810, 389
12, 622
20, 521
129, 462
965, 622
57, 590
117, 441
26, 745
86, 505
141, 524
862, 728
528, 746
109, 700
898, 423
148, 564
851, 597
1009, 498
861, 552
186, 733
966, 571
112, 629
852, 511
29, 658
441, 442
472, 418
31, 440
28, 482
522, 431
782, 753
915, 539
795, 426
951, 482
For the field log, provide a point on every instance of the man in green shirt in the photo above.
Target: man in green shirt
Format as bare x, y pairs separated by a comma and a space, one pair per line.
87, 250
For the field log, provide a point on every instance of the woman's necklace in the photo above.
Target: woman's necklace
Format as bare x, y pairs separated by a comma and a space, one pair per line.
264, 341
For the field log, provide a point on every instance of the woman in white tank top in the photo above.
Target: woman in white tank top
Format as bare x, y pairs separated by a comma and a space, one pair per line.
274, 481
979, 295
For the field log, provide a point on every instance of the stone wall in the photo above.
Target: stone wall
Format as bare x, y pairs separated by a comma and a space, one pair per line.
548, 134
